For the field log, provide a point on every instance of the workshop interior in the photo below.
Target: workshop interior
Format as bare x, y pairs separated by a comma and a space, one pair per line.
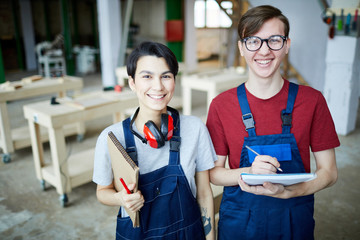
63, 79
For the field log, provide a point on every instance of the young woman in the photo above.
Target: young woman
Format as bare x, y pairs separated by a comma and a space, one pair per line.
282, 121
174, 197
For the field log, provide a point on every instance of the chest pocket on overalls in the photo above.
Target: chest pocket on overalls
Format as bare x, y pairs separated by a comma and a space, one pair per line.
282, 152
162, 206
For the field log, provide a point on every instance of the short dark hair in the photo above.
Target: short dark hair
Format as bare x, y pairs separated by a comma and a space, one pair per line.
151, 49
251, 22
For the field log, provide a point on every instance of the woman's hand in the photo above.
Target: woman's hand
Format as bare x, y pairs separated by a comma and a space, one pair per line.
134, 201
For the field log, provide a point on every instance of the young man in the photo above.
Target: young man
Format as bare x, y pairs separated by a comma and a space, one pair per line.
272, 115
174, 198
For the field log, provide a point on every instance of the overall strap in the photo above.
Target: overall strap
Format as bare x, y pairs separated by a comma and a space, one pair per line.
175, 141
286, 114
247, 116
129, 140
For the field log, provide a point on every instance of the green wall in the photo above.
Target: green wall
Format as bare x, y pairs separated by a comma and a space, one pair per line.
174, 11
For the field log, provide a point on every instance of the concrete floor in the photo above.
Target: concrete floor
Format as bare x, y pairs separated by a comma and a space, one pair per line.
28, 212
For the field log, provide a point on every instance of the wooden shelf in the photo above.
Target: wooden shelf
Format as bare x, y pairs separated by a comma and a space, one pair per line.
21, 136
80, 169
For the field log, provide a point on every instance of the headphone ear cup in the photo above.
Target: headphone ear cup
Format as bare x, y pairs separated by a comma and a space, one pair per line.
167, 126
153, 135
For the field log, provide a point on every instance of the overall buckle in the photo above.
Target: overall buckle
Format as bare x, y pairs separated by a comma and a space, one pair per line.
248, 121
175, 142
286, 118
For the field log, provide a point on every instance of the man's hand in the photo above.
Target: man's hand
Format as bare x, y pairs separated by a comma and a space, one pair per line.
264, 164
268, 189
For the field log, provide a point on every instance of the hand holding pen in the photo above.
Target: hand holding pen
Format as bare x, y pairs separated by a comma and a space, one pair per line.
133, 201
258, 166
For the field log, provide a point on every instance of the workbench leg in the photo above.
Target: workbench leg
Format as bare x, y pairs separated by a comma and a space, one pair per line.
62, 94
6, 157
187, 102
118, 117
42, 185
80, 128
59, 158
37, 148
47, 68
64, 200
5, 132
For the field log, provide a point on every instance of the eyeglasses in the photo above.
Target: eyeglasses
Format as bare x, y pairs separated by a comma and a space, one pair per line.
275, 42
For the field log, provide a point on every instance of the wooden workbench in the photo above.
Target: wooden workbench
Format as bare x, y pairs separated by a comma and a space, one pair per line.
12, 139
66, 172
212, 83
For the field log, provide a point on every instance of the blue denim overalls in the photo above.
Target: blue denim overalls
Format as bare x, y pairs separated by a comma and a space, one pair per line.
247, 216
170, 210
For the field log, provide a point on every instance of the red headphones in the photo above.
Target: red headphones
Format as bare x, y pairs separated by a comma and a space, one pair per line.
153, 135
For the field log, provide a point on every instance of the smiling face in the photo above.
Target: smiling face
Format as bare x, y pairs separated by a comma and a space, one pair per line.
154, 84
265, 63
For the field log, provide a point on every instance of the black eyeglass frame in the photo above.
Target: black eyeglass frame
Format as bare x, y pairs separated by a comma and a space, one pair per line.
284, 38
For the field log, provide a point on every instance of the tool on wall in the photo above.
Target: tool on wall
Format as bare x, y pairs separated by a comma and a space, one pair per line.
347, 24
341, 21
332, 27
354, 24
329, 18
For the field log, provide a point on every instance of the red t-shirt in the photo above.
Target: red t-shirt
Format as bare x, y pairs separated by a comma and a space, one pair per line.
312, 124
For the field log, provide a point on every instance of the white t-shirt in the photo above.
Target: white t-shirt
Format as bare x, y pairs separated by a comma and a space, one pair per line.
196, 152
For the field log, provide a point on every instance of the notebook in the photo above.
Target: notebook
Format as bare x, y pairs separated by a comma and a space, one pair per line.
284, 179
123, 167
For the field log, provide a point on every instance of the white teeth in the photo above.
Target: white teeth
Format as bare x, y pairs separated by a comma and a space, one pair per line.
263, 61
157, 97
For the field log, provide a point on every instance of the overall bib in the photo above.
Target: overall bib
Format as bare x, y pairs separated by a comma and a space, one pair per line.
170, 210
248, 216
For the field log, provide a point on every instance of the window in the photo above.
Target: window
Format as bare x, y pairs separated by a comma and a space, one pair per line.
209, 15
